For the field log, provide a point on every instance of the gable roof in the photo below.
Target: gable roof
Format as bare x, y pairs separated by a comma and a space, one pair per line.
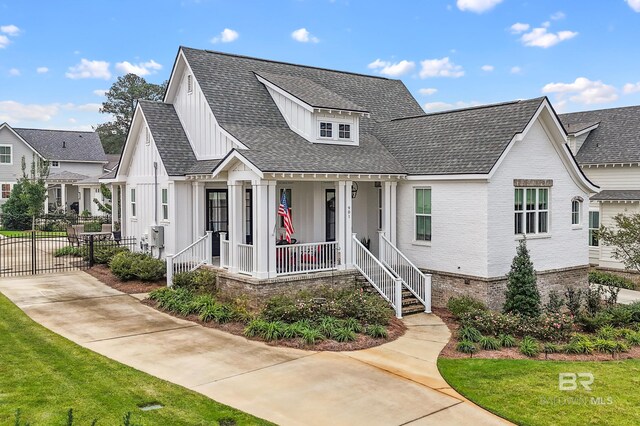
616, 140
64, 145
464, 141
169, 136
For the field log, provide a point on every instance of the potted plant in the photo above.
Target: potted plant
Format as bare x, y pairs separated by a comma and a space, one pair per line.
117, 234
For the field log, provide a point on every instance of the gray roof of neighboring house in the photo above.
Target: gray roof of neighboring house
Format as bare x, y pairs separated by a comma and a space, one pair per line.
64, 145
462, 141
617, 138
113, 161
244, 108
617, 195
109, 175
310, 92
66, 176
169, 136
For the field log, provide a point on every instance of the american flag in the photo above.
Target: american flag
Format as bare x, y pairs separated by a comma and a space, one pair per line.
283, 210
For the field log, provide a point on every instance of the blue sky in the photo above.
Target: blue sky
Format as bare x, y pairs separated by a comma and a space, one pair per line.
56, 58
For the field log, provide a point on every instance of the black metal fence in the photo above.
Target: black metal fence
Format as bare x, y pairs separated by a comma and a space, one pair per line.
38, 252
52, 222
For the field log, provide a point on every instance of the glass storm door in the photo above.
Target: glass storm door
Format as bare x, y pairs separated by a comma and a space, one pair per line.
217, 216
330, 215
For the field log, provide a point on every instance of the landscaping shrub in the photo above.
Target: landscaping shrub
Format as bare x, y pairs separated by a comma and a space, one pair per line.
103, 253
605, 346
607, 333
176, 301
593, 300
489, 343
633, 338
312, 336
95, 226
553, 327
199, 281
506, 340
69, 251
555, 303
609, 279
343, 334
580, 344
379, 332
467, 347
255, 327
460, 306
529, 347
127, 266
469, 333
522, 296
551, 348
574, 300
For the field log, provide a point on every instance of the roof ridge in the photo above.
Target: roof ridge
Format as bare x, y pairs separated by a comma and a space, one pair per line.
217, 52
475, 107
600, 109
54, 130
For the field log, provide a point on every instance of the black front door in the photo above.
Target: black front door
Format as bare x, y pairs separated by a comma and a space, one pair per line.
217, 216
330, 215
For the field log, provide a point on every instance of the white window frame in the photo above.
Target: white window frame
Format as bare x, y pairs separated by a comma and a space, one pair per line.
10, 163
536, 211
332, 124
335, 130
10, 189
591, 229
416, 214
55, 164
576, 216
164, 203
189, 84
133, 202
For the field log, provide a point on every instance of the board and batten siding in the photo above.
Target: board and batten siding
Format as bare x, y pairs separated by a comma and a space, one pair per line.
565, 245
204, 133
458, 226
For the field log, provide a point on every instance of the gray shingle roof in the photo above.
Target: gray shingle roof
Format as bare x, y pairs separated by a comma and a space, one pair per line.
113, 160
66, 176
617, 195
169, 136
202, 167
617, 138
310, 92
244, 108
573, 128
61, 145
456, 142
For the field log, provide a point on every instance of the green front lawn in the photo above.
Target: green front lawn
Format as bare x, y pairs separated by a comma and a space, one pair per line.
27, 234
526, 392
44, 375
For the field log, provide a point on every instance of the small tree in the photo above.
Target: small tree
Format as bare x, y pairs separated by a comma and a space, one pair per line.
106, 197
14, 216
32, 190
624, 238
522, 296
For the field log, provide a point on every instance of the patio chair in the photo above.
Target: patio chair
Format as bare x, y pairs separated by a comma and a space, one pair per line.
106, 228
72, 236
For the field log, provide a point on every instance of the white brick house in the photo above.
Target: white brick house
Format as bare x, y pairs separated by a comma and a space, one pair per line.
357, 159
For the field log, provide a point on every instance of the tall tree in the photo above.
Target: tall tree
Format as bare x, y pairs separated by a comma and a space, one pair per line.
624, 238
120, 104
522, 295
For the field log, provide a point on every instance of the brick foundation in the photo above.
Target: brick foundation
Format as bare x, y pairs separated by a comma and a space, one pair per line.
258, 291
491, 291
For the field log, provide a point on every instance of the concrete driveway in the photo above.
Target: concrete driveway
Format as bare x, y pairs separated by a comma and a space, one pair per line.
394, 384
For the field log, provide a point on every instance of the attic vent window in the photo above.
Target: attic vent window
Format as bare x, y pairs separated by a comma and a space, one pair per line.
147, 136
189, 83
326, 129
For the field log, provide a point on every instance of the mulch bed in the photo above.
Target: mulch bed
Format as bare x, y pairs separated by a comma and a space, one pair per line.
396, 328
102, 273
450, 351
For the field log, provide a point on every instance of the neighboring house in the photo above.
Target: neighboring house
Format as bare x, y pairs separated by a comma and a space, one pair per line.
355, 156
606, 144
73, 156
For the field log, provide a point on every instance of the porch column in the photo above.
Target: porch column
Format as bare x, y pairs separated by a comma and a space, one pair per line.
197, 197
271, 206
389, 212
115, 205
46, 198
348, 225
235, 223
340, 222
264, 210
63, 196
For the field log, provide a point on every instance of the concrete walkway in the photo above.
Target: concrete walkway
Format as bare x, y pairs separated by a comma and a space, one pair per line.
394, 384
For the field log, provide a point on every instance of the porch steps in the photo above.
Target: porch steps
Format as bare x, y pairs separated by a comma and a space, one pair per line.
410, 304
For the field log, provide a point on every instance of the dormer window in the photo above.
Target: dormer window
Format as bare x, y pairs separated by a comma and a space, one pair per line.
326, 130
344, 131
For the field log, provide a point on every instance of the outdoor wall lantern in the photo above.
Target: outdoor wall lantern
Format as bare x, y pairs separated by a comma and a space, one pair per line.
354, 189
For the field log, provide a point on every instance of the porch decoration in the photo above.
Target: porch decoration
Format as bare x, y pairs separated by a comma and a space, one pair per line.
285, 212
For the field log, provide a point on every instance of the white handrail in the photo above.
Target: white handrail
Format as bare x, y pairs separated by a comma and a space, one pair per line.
224, 250
190, 258
413, 278
245, 258
378, 275
307, 257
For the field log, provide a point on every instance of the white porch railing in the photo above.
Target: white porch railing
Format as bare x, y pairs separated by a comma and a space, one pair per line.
378, 275
190, 258
308, 257
224, 250
245, 259
413, 278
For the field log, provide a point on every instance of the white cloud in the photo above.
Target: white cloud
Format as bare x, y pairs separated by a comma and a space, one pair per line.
42, 70
304, 36
100, 92
558, 16
477, 6
541, 37
401, 68
11, 30
634, 4
91, 107
630, 88
12, 111
583, 91
4, 41
141, 69
519, 27
14, 72
427, 91
89, 69
440, 68
487, 68
516, 70
378, 63
226, 36
72, 120
442, 106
